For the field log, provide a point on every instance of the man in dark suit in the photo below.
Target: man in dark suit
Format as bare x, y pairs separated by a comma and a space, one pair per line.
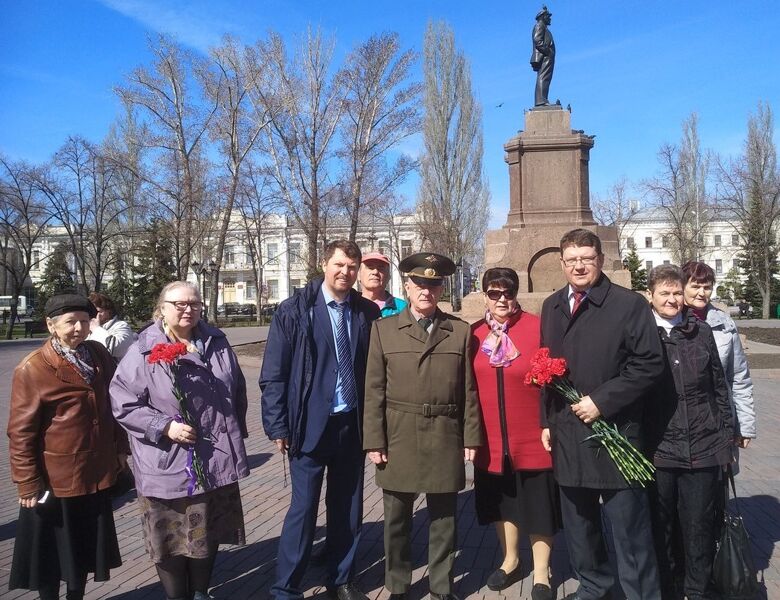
608, 337
422, 420
312, 381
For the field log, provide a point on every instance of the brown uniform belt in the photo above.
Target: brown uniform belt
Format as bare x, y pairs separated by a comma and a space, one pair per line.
426, 410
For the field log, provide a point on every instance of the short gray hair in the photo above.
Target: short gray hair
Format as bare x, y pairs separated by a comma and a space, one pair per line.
667, 273
193, 287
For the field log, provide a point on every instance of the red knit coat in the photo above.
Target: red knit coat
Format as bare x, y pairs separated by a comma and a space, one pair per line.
521, 401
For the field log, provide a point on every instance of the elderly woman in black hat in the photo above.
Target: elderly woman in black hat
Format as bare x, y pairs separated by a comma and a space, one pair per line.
66, 451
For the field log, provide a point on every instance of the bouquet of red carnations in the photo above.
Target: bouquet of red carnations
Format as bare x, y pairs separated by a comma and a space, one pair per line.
168, 355
632, 464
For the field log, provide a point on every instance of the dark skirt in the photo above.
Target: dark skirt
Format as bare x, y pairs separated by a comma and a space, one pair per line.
192, 526
63, 540
529, 499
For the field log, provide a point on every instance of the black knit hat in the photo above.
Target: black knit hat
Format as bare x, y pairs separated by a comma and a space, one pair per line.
65, 303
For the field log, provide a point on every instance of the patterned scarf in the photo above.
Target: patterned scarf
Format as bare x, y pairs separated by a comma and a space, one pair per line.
497, 344
80, 359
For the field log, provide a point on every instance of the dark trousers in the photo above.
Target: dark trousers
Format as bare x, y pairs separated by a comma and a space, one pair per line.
684, 505
629, 515
338, 452
398, 543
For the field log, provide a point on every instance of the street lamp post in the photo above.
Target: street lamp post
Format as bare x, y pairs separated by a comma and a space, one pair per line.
200, 272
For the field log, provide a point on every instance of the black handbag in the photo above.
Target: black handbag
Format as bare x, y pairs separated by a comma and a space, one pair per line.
125, 481
733, 570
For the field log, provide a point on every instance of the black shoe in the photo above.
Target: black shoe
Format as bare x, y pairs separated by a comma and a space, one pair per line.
542, 592
348, 591
500, 579
449, 596
318, 555
403, 596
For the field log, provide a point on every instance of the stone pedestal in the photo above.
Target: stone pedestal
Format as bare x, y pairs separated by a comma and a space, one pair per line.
548, 196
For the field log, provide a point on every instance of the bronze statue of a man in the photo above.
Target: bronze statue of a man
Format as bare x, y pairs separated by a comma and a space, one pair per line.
542, 56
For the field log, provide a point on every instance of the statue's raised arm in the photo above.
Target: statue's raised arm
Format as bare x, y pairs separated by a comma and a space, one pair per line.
542, 56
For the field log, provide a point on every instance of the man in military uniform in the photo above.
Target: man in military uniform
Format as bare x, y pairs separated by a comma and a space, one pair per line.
421, 421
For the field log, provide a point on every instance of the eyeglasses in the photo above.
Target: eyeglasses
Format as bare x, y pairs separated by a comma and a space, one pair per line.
181, 305
587, 261
496, 294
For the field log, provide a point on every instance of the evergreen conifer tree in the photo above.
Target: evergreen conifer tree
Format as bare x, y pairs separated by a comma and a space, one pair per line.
633, 264
153, 268
57, 279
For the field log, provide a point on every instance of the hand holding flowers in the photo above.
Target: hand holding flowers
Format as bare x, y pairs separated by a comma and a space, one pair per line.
183, 427
549, 371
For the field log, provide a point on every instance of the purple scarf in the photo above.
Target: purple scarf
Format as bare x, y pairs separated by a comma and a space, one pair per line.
497, 344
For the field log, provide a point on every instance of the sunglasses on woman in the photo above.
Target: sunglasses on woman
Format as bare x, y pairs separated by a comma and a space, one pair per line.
496, 294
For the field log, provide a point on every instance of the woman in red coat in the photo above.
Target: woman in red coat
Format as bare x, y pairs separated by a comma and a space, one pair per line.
513, 480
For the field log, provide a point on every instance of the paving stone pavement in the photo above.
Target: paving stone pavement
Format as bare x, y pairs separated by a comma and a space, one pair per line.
247, 572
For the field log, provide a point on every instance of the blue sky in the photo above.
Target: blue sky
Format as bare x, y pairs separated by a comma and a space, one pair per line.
631, 70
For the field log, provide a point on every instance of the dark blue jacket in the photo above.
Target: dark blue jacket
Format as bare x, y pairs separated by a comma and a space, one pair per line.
292, 351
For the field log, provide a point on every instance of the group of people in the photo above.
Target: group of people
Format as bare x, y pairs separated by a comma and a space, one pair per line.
349, 374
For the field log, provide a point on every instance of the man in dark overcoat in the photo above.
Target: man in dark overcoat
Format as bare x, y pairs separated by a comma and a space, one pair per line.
608, 337
312, 381
421, 421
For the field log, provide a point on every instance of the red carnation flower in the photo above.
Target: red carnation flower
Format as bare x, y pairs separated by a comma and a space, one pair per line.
167, 353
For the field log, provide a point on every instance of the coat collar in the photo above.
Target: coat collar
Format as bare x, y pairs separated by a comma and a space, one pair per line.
63, 369
440, 331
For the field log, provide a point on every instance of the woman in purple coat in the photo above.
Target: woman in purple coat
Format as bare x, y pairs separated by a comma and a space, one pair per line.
188, 456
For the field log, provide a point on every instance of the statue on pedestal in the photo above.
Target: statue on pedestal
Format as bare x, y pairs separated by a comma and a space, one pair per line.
542, 56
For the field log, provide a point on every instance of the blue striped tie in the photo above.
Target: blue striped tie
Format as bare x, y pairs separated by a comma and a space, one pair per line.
346, 372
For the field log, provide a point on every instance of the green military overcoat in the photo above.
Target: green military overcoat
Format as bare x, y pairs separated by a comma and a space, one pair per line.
421, 403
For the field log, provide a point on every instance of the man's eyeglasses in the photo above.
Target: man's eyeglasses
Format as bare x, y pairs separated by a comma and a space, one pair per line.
587, 261
496, 294
181, 306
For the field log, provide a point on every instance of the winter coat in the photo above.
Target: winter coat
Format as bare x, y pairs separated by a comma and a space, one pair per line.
510, 413
144, 404
61, 431
614, 355
421, 403
735, 367
688, 422
288, 367
116, 335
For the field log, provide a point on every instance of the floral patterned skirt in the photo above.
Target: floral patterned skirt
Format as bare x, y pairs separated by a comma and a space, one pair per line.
192, 526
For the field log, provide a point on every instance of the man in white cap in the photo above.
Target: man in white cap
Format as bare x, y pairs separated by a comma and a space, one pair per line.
374, 274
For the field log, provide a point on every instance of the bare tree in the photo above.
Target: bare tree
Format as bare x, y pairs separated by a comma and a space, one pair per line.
617, 209
23, 221
680, 191
306, 104
177, 126
235, 128
256, 205
750, 188
381, 110
453, 198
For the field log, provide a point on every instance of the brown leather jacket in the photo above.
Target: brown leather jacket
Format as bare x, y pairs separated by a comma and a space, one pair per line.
62, 434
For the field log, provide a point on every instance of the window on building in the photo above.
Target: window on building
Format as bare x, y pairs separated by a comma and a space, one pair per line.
666, 262
665, 241
734, 239
648, 242
735, 264
384, 247
630, 243
295, 253
406, 248
36, 258
272, 254
273, 290
251, 291
296, 284
229, 256
702, 240
716, 241
718, 266
648, 265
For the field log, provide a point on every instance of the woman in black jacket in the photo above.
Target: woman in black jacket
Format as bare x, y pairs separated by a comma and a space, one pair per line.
689, 428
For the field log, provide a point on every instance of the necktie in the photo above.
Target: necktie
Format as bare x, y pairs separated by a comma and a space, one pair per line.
425, 322
578, 298
346, 372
